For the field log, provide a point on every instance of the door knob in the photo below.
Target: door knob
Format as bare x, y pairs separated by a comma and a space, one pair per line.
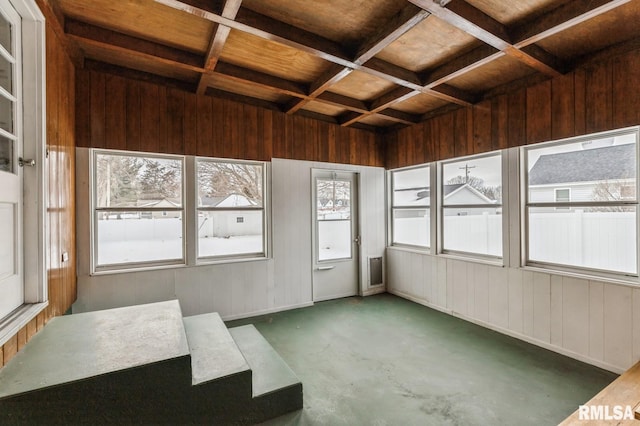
22, 162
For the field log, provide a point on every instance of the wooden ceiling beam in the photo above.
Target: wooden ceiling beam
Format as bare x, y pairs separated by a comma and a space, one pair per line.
258, 79
220, 34
476, 23
562, 18
461, 65
402, 22
110, 40
129, 73
267, 28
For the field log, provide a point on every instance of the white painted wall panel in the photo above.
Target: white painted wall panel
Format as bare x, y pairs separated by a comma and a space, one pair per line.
515, 300
593, 321
618, 325
542, 307
596, 320
575, 315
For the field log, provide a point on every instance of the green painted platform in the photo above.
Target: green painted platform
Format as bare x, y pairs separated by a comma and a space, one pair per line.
145, 365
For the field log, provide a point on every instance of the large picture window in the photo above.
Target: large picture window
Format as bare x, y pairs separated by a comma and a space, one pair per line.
581, 203
139, 209
231, 208
471, 191
410, 207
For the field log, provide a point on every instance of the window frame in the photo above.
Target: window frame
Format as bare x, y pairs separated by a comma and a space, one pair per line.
526, 205
94, 209
504, 158
264, 208
392, 207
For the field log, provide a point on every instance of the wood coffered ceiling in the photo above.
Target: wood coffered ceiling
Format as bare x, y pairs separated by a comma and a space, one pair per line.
364, 63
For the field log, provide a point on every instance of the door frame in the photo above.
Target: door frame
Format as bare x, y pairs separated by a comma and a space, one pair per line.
35, 182
356, 221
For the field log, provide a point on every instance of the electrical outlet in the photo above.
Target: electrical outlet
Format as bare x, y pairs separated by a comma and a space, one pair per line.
65, 256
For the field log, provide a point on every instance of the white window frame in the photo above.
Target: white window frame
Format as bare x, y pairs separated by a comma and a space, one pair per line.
264, 209
555, 197
429, 207
35, 233
572, 269
129, 266
504, 173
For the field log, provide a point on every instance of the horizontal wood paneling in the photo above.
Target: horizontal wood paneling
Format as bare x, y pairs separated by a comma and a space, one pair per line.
117, 113
595, 98
61, 228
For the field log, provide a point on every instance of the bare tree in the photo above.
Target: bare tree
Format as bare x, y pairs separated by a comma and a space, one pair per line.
613, 191
223, 179
116, 180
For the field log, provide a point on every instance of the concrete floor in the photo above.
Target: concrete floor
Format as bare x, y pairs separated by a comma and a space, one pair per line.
382, 360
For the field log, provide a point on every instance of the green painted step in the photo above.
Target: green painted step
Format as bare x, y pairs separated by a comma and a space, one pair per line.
270, 372
214, 353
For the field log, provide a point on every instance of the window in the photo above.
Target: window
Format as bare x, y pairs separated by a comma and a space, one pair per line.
563, 195
334, 217
138, 210
231, 209
581, 203
471, 191
410, 202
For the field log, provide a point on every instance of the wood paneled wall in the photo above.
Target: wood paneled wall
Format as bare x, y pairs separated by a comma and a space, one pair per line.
594, 98
61, 208
117, 113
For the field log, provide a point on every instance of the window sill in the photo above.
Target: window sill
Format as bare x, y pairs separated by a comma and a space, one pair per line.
484, 261
199, 263
625, 281
410, 249
12, 324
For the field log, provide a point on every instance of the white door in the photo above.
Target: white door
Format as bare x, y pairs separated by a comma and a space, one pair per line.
11, 276
336, 238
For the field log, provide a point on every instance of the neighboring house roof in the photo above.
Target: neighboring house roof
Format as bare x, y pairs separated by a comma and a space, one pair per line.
598, 164
418, 195
232, 200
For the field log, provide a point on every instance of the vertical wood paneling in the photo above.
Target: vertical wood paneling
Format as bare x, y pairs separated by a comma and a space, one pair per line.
481, 297
516, 118
175, 122
556, 311
115, 105
528, 317
499, 297
539, 113
190, 124
97, 110
542, 307
149, 118
515, 294
460, 141
626, 90
482, 127
599, 98
133, 118
499, 123
563, 107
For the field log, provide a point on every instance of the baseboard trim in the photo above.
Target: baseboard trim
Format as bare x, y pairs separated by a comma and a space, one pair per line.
265, 311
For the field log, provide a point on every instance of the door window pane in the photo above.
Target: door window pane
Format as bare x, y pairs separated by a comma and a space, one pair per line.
333, 204
6, 155
595, 237
6, 74
6, 114
5, 34
230, 232
134, 236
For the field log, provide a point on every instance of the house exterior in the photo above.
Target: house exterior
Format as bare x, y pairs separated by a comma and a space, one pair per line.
454, 194
561, 177
227, 223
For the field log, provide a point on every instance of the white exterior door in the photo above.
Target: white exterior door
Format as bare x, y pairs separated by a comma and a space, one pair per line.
11, 261
336, 235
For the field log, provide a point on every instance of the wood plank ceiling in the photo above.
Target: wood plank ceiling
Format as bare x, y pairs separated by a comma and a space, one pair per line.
374, 64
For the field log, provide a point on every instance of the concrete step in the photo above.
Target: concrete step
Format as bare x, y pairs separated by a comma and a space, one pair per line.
214, 353
276, 388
